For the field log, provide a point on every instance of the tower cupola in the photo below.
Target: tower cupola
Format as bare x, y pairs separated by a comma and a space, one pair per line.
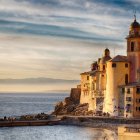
134, 30
106, 52
106, 56
134, 25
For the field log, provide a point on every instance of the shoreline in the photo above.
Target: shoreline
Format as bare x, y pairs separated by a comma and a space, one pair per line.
109, 123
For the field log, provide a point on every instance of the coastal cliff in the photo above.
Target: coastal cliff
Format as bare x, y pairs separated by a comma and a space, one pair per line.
71, 105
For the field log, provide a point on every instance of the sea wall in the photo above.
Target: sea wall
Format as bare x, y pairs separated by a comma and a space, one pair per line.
100, 122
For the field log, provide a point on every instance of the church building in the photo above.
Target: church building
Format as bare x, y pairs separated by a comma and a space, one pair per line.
113, 84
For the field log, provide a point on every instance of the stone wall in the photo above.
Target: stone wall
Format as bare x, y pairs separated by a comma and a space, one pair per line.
75, 95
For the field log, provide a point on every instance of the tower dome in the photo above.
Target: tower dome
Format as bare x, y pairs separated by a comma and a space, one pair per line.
134, 25
106, 56
106, 52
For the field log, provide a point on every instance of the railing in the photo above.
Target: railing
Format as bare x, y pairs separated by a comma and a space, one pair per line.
132, 130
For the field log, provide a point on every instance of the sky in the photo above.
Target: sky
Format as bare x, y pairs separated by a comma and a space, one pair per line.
46, 44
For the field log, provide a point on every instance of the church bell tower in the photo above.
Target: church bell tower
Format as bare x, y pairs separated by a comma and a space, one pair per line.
133, 51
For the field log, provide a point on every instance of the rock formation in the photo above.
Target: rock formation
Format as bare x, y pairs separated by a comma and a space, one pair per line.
71, 105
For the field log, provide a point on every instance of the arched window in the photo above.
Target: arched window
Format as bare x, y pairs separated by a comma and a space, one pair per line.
132, 46
126, 78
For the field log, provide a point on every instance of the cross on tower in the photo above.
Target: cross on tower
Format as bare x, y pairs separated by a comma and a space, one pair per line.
134, 15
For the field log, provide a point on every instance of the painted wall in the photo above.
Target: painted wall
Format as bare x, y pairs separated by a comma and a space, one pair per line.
136, 102
86, 94
134, 58
123, 134
128, 111
115, 77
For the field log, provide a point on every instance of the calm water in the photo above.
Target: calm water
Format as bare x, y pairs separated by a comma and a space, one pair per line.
18, 104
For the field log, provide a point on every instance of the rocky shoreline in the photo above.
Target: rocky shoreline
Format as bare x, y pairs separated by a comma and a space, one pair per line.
71, 106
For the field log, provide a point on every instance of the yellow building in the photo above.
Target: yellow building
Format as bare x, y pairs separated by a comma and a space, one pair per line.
113, 84
128, 133
86, 95
117, 74
93, 83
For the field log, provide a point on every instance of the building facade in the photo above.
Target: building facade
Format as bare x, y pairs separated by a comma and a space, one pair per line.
113, 84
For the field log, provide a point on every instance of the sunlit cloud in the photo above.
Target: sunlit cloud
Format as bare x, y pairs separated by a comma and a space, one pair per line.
60, 38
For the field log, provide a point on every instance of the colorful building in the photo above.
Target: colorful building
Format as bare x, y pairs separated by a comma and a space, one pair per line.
113, 84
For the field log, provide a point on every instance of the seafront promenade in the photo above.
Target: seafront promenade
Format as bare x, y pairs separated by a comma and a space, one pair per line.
29, 123
109, 123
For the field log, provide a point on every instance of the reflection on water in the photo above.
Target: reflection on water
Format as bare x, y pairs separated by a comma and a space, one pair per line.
54, 133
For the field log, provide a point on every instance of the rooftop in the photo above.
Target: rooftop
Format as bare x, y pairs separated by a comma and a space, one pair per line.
119, 58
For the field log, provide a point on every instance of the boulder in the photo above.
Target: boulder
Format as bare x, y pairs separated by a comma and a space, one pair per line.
59, 106
70, 108
68, 101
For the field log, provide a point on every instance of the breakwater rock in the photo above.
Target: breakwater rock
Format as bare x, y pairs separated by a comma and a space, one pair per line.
68, 107
71, 105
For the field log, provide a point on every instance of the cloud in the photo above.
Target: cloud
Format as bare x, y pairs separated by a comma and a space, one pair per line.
52, 30
59, 39
38, 81
30, 49
74, 19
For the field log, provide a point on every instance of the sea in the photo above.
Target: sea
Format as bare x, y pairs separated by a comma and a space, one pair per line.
16, 104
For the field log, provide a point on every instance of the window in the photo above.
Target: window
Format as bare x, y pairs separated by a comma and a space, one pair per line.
103, 67
123, 90
87, 77
114, 65
137, 108
128, 107
138, 90
128, 90
132, 46
128, 98
126, 78
126, 65
137, 100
